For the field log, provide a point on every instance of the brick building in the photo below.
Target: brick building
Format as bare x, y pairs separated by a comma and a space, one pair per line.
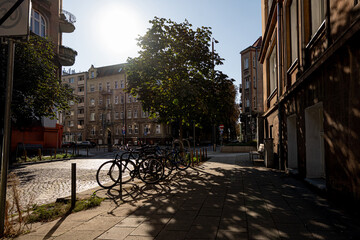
105, 113
251, 89
311, 61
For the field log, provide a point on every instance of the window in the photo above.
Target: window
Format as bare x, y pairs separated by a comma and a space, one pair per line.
122, 99
129, 99
135, 113
246, 63
254, 103
247, 83
108, 86
71, 113
136, 129
81, 100
247, 102
293, 30
71, 102
80, 89
143, 114
80, 78
272, 71
108, 117
254, 82
37, 24
93, 131
116, 115
71, 80
100, 116
147, 129
135, 99
116, 85
254, 62
92, 116
122, 115
122, 84
317, 15
71, 123
92, 102
108, 100
116, 100
117, 130
92, 88
129, 129
80, 123
92, 74
158, 129
129, 114
100, 100
80, 111
100, 86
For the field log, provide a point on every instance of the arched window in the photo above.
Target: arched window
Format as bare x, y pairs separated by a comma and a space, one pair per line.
38, 24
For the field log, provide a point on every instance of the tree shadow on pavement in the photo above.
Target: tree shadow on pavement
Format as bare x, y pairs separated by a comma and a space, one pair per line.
225, 201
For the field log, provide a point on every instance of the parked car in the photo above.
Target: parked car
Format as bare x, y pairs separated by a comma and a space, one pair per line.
93, 144
84, 144
67, 144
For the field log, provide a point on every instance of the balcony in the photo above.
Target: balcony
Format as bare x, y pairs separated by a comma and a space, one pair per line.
80, 126
81, 93
66, 56
67, 21
81, 115
107, 92
81, 104
81, 82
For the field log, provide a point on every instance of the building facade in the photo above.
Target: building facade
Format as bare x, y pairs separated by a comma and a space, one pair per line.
106, 113
50, 21
311, 61
251, 89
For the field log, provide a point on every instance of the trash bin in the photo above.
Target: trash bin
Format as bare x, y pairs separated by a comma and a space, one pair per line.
269, 153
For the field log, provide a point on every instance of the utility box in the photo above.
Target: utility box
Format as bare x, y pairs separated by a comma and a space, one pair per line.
269, 153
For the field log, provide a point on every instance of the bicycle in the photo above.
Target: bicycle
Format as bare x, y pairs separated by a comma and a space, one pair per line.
149, 170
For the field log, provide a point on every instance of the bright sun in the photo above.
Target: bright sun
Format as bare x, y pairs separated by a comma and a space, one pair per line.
117, 27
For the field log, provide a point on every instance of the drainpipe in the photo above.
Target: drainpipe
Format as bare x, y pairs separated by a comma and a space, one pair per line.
279, 71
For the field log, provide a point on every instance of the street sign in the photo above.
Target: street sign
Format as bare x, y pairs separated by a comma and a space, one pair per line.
221, 127
17, 24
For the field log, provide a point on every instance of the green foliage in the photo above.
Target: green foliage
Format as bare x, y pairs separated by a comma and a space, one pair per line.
174, 76
48, 212
37, 88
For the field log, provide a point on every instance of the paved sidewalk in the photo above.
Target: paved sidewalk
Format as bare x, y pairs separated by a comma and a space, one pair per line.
225, 198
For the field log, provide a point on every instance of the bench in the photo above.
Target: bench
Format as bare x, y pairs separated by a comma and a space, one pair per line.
259, 152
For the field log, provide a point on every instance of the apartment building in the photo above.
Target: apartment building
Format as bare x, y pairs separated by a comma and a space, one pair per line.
74, 120
50, 21
106, 113
251, 90
311, 60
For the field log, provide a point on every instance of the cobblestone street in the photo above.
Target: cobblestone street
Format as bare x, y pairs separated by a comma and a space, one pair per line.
45, 182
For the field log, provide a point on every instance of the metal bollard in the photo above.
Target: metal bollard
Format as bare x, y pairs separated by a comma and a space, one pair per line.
73, 185
39, 153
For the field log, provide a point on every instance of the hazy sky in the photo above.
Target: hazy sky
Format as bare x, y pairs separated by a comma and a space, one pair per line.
106, 30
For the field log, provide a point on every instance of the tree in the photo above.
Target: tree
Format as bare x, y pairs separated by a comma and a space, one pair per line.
37, 89
174, 76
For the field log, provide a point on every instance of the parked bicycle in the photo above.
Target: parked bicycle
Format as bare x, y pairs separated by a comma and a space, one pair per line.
131, 164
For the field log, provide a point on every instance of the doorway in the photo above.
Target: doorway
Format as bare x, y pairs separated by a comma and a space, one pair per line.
292, 142
314, 127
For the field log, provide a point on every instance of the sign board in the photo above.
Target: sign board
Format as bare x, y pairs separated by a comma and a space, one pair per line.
18, 23
221, 127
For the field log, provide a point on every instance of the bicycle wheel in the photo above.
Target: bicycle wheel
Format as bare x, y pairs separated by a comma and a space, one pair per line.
168, 166
151, 170
182, 160
127, 170
108, 174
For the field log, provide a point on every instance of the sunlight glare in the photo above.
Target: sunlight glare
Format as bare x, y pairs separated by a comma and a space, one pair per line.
117, 27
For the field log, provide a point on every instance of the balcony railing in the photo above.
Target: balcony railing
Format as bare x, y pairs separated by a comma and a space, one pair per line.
66, 56
81, 82
67, 22
80, 115
81, 104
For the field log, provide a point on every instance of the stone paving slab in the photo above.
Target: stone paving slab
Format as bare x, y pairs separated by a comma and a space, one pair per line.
224, 198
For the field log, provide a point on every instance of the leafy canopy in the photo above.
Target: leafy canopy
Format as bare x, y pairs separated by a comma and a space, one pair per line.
174, 76
37, 89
